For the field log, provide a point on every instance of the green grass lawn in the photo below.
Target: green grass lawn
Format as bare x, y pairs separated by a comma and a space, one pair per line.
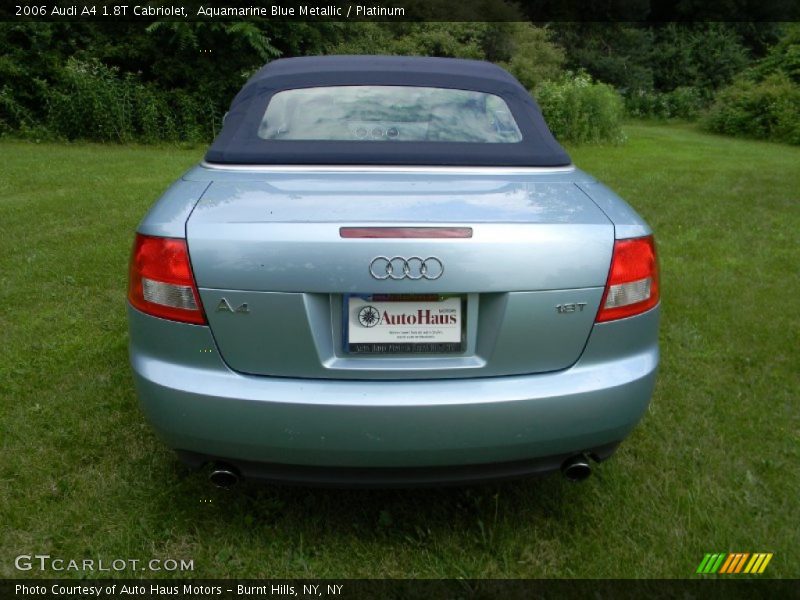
713, 467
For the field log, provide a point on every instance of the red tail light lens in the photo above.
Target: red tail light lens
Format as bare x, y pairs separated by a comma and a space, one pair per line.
632, 286
160, 280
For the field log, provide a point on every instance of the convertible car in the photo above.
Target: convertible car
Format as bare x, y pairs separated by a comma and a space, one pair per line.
386, 271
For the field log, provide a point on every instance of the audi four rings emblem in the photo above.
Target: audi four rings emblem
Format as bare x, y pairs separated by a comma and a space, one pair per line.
414, 267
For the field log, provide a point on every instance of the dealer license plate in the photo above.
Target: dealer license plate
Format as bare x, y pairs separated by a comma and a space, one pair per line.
398, 324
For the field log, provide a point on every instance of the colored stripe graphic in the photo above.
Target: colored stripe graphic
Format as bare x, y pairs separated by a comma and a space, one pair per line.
715, 566
711, 563
730, 563
704, 563
766, 561
754, 562
738, 562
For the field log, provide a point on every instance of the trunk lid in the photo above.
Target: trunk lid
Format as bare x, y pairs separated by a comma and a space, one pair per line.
272, 242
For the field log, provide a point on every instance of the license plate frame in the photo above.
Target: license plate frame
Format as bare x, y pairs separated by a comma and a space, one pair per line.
419, 343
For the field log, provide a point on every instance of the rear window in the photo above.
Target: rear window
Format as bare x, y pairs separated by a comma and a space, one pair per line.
388, 114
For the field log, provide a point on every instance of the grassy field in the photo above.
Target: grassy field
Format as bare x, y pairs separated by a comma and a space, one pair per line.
713, 467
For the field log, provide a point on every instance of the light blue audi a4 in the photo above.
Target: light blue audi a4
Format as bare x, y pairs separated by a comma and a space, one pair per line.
386, 271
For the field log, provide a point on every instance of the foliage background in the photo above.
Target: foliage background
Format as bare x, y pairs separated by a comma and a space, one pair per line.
173, 81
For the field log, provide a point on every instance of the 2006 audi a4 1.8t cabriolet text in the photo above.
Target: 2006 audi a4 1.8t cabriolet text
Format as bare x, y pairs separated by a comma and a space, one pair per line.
387, 271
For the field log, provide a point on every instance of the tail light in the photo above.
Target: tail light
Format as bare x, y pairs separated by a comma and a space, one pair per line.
161, 282
632, 286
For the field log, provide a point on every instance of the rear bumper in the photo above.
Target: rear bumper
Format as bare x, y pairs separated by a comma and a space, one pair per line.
522, 423
384, 477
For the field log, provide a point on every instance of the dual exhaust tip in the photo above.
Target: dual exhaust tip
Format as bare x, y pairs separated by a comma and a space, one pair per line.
576, 468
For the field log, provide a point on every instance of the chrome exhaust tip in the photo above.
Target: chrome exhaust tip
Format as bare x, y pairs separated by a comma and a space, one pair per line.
224, 476
576, 468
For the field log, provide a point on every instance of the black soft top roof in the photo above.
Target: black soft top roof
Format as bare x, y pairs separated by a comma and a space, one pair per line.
238, 142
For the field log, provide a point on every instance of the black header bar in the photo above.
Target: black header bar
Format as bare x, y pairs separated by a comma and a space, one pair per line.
643, 11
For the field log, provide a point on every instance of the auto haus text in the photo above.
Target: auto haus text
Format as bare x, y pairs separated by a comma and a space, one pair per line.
99, 591
421, 317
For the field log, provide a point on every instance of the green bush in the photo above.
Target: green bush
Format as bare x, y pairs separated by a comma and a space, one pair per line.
12, 113
96, 102
579, 110
783, 57
767, 109
533, 56
681, 103
89, 101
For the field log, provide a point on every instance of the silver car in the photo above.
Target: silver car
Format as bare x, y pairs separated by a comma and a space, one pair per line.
387, 271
